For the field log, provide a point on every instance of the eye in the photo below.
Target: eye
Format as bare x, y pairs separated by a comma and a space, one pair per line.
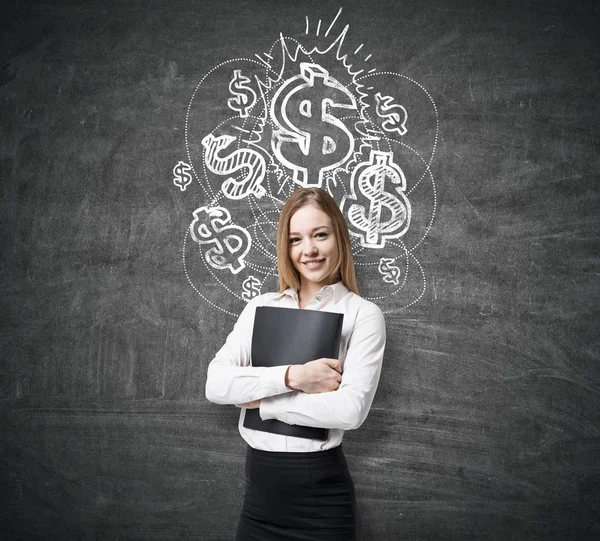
322, 235
293, 240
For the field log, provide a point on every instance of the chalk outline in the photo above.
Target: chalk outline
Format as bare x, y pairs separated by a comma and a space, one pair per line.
356, 78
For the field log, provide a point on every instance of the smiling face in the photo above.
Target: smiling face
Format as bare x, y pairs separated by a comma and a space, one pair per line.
313, 248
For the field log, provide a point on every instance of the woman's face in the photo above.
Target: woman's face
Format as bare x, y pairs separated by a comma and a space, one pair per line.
313, 247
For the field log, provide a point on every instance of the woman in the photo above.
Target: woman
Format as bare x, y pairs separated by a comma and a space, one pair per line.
297, 488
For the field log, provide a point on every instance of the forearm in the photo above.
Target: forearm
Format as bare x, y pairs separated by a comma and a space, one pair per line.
228, 384
345, 408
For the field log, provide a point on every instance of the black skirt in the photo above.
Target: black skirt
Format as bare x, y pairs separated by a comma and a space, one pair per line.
298, 497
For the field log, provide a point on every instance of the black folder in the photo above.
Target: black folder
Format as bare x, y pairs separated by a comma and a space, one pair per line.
292, 336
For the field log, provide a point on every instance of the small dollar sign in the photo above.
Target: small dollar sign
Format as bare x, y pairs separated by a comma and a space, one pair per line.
231, 243
370, 179
239, 159
394, 116
181, 175
389, 271
244, 97
251, 287
311, 140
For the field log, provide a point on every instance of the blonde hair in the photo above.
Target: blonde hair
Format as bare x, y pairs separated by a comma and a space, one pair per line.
288, 275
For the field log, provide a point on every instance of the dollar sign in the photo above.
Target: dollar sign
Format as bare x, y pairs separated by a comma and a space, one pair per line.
394, 116
244, 97
389, 271
241, 158
310, 140
370, 179
231, 243
251, 287
181, 175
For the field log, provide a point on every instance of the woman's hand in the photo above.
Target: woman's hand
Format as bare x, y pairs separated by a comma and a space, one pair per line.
320, 376
255, 404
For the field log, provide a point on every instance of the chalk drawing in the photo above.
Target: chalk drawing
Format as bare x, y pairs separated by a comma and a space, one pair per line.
245, 158
389, 272
304, 119
378, 214
244, 98
310, 113
251, 287
182, 177
230, 243
394, 116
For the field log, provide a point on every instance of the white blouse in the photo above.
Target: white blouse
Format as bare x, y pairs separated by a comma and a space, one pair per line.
232, 380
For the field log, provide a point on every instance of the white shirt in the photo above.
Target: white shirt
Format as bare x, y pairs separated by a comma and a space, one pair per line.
231, 379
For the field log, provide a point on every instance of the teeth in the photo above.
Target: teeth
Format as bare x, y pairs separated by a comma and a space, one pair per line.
313, 263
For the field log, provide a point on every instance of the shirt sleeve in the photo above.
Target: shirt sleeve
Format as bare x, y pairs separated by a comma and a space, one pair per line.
231, 379
346, 408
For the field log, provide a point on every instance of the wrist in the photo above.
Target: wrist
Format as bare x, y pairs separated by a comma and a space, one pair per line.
292, 376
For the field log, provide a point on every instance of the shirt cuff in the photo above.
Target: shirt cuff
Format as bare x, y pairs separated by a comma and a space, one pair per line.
272, 380
274, 407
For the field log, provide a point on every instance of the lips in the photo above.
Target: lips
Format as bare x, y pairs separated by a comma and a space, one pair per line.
313, 263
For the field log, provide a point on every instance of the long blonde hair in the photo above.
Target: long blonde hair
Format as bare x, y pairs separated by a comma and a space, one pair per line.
288, 275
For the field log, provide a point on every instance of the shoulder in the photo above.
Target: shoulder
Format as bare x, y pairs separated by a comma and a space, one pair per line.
366, 324
365, 310
363, 305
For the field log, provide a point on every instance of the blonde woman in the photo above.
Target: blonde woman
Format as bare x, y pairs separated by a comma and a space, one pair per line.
298, 488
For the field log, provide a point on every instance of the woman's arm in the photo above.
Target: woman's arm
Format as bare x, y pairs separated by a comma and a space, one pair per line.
347, 407
231, 379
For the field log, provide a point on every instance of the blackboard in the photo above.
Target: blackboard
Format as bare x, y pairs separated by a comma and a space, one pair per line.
483, 118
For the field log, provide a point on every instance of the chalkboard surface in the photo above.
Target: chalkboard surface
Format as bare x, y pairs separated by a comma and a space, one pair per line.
145, 151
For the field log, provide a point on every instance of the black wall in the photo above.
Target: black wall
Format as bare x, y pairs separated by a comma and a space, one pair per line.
485, 424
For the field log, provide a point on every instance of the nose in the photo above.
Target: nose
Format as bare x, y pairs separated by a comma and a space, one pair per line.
309, 247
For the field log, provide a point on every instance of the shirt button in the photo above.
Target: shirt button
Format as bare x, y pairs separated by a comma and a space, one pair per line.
318, 297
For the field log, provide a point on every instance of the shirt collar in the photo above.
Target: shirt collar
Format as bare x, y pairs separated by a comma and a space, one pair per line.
338, 289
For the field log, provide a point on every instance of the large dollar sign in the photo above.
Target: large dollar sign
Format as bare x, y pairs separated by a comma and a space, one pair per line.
231, 243
241, 158
244, 97
310, 140
367, 220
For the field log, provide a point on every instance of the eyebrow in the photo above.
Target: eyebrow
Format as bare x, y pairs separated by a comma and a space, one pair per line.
312, 230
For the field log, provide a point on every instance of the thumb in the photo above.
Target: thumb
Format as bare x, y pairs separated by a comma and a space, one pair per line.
333, 363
